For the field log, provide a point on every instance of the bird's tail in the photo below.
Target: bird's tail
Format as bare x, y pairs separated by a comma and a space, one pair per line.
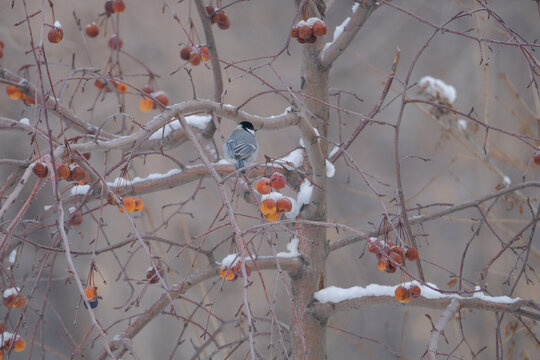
239, 164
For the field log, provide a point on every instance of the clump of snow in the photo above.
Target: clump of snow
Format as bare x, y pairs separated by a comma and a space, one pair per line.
334, 151
330, 169
198, 121
302, 198
274, 195
12, 256
71, 209
507, 181
80, 190
11, 291
301, 142
47, 207
292, 248
6, 338
462, 124
335, 294
230, 260
25, 121
337, 32
224, 162
309, 22
295, 157
355, 6
57, 24
438, 89
120, 181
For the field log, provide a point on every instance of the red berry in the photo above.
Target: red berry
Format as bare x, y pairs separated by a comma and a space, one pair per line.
304, 32
185, 52
204, 52
278, 181
118, 5
194, 58
115, 42
284, 205
263, 186
109, 7
55, 34
148, 89
537, 157
75, 219
224, 25
396, 258
92, 30
161, 97
40, 170
318, 28
411, 254
415, 291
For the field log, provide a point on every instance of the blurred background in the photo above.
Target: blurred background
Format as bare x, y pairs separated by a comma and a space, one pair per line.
441, 164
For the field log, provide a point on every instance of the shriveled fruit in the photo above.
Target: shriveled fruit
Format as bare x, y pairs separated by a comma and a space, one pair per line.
148, 89
92, 30
318, 28
374, 246
402, 294
109, 7
382, 264
264, 186
118, 5
146, 104
284, 205
227, 274
78, 174
224, 25
115, 42
411, 254
76, 218
14, 93
40, 170
398, 250
537, 157
415, 291
138, 204
129, 203
100, 84
56, 34
161, 97
396, 258
153, 275
268, 206
278, 181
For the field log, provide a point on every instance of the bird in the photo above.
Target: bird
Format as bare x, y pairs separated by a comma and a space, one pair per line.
241, 147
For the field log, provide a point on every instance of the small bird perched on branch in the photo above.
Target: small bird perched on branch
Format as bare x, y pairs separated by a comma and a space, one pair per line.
241, 147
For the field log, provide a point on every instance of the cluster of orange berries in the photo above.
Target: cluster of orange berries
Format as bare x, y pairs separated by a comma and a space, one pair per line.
15, 94
10, 340
404, 295
194, 54
307, 31
147, 104
13, 298
131, 203
108, 84
1, 49
272, 207
234, 272
391, 257
219, 17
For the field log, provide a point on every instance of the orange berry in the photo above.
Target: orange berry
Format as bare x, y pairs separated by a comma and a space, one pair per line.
185, 53
121, 87
224, 25
55, 35
411, 254
382, 264
220, 16
227, 274
294, 32
29, 101
138, 204
204, 52
129, 203
268, 207
111, 199
284, 205
115, 42
194, 58
237, 268
415, 291
278, 181
13, 298
396, 258
14, 93
92, 30
273, 217
161, 97
146, 104
398, 250
76, 218
78, 174
118, 5
40, 170
263, 186
100, 84
402, 294
374, 246
318, 28
90, 292
19, 344
304, 32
